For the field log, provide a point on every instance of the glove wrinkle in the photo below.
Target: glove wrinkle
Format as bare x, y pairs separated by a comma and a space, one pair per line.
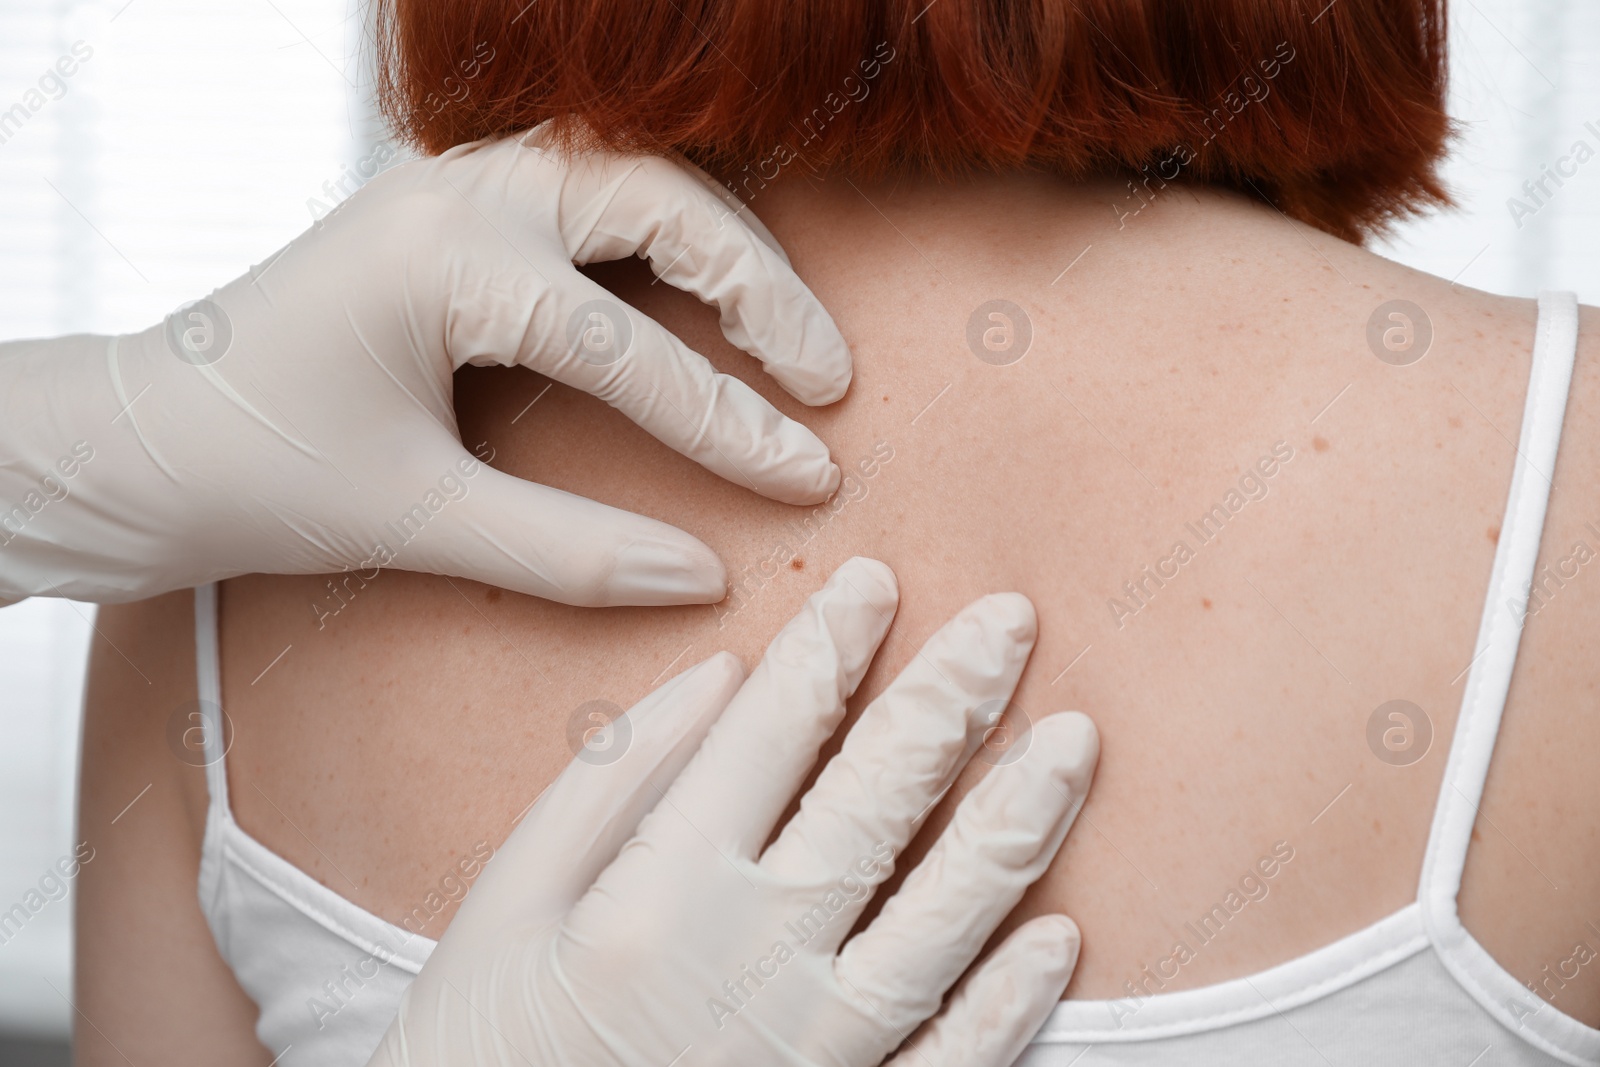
114, 369
367, 349
578, 224
324, 552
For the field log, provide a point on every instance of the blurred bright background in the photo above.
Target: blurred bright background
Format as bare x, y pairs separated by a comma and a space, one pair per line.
193, 139
186, 147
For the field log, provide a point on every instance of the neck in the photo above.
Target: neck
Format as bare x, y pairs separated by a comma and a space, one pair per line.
972, 225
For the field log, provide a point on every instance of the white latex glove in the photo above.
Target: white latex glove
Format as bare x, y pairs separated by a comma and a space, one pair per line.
596, 939
299, 419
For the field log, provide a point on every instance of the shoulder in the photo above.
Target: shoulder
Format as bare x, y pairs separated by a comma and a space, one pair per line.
1533, 873
141, 820
140, 688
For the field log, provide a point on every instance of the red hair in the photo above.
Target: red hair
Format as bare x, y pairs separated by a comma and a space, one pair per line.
1335, 114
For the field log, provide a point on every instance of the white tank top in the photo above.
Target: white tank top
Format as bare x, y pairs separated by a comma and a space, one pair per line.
1414, 988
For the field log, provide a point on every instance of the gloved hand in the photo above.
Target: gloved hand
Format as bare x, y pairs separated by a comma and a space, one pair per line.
595, 939
299, 419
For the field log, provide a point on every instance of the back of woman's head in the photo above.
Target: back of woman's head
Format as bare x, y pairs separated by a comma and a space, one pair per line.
1332, 110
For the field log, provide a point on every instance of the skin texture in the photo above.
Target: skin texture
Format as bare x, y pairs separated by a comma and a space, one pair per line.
1172, 349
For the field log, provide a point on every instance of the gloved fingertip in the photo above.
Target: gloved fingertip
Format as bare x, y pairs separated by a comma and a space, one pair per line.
868, 578
831, 479
993, 634
834, 638
726, 667
819, 379
1072, 744
1010, 995
1013, 613
1054, 943
806, 474
829, 392
651, 573
843, 376
817, 371
715, 678
712, 671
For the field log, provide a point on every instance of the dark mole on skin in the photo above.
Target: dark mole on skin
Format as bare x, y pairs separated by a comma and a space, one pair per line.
797, 564
493, 596
1494, 535
1319, 443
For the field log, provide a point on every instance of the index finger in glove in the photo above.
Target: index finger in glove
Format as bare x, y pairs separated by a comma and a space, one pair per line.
910, 743
768, 739
1003, 836
596, 804
697, 239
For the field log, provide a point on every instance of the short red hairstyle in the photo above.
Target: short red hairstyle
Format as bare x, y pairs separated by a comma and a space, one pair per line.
1332, 110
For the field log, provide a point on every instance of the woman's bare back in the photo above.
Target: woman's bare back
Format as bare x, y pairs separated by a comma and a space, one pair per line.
1243, 531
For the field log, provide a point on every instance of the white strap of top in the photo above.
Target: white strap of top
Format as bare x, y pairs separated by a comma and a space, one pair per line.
228, 846
1500, 631
208, 674
1489, 680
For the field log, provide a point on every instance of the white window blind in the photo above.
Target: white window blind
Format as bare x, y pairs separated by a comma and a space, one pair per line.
182, 147
1525, 83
